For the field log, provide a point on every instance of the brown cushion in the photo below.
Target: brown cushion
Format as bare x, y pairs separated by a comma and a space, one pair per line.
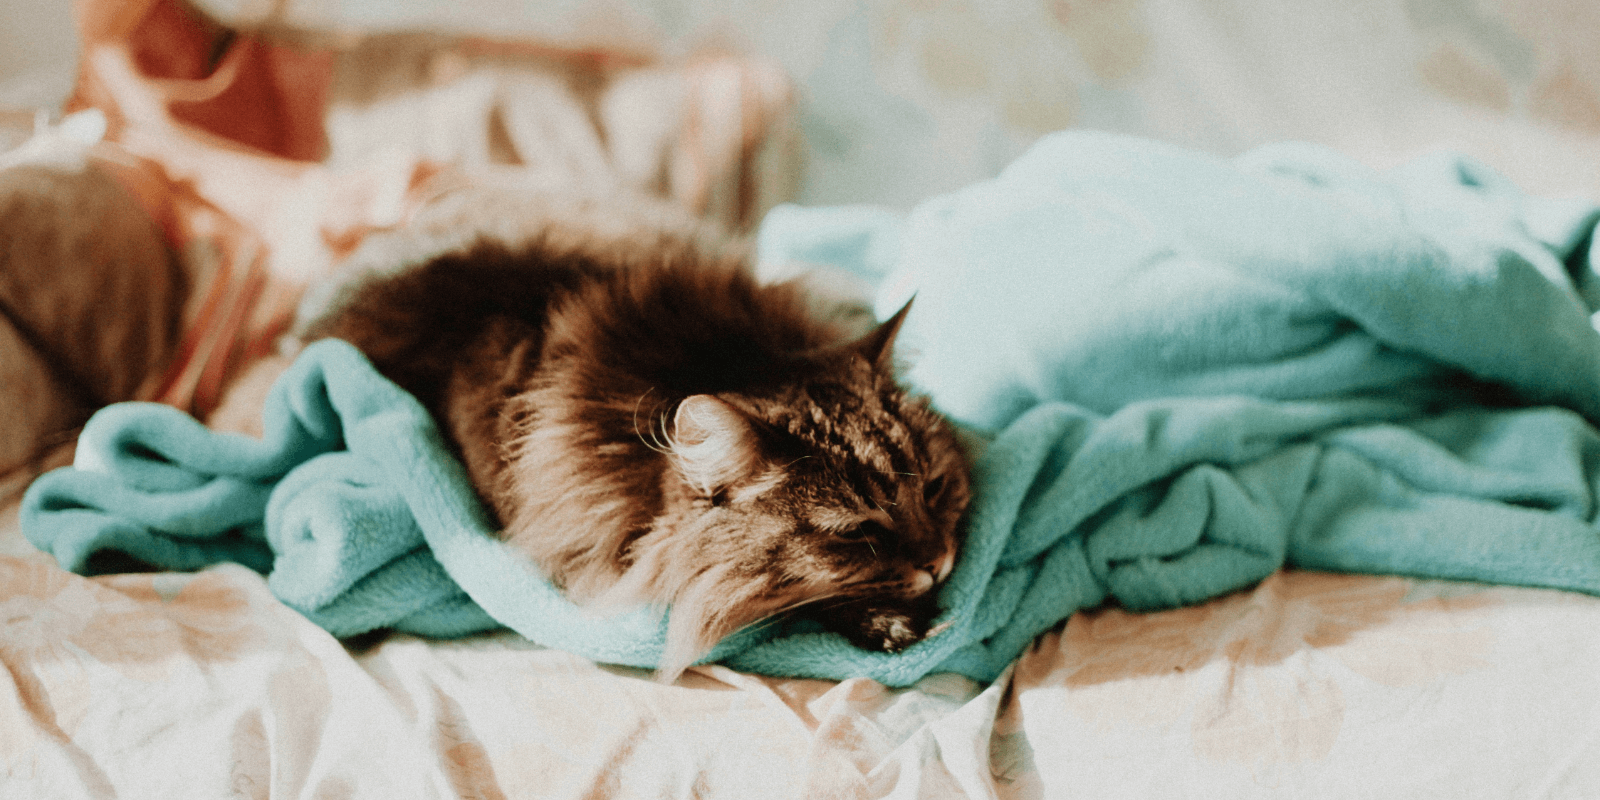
90, 298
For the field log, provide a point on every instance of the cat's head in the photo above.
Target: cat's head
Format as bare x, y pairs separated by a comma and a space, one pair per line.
839, 495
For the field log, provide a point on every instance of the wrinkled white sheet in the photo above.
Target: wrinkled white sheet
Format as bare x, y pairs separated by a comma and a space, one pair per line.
1312, 685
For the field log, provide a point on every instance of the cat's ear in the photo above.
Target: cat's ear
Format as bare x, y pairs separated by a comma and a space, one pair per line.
712, 443
877, 347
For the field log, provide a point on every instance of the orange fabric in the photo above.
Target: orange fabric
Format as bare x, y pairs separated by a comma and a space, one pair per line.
217, 149
263, 95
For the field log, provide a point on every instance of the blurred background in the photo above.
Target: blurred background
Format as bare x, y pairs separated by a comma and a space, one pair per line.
900, 99
265, 139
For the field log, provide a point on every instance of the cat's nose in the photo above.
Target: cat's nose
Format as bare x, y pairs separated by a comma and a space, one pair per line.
929, 575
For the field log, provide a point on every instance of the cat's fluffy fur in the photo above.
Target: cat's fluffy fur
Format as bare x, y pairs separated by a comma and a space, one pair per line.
653, 425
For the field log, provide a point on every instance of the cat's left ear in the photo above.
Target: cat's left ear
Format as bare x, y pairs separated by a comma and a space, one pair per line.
877, 347
712, 443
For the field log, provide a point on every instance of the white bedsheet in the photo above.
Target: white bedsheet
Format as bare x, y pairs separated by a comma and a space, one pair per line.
1312, 685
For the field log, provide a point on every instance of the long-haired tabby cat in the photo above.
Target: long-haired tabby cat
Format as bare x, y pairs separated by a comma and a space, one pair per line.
653, 425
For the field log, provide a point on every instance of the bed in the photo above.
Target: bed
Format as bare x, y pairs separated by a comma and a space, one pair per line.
233, 195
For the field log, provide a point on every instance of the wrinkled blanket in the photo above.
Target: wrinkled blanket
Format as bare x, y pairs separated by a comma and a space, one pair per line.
1189, 372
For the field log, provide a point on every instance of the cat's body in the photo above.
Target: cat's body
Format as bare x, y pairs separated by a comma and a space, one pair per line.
651, 424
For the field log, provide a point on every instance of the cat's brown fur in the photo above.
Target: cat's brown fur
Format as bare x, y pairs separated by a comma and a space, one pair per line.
652, 425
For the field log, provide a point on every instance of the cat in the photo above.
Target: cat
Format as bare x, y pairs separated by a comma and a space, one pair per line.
651, 424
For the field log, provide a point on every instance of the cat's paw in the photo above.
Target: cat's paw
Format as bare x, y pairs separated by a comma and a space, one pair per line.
882, 625
890, 631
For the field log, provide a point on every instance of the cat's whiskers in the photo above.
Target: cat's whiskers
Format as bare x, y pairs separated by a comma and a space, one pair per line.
824, 602
869, 541
771, 619
799, 604
781, 614
831, 603
652, 442
661, 436
663, 433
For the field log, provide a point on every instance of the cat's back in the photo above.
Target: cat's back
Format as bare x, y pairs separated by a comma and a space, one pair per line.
484, 268
682, 315
416, 325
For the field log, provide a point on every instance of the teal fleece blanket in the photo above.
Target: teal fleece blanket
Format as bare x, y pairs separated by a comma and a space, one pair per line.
1186, 372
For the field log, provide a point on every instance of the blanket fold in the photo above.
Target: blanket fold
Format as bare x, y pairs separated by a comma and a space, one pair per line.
1187, 373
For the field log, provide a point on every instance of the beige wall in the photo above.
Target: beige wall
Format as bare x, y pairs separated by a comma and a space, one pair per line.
905, 98
37, 52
